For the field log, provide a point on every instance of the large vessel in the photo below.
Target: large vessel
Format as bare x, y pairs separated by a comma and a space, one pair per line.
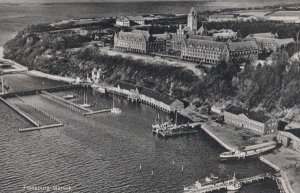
213, 184
160, 124
167, 129
248, 151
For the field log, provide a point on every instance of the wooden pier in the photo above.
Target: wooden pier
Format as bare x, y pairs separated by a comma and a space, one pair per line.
97, 112
72, 106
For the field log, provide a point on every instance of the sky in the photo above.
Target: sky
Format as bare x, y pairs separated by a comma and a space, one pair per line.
51, 1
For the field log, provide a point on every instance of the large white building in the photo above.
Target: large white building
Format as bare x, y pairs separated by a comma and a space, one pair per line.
255, 122
138, 41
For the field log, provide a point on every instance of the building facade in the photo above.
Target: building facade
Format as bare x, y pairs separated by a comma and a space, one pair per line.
269, 42
123, 21
204, 51
192, 20
255, 122
289, 139
154, 98
138, 41
244, 49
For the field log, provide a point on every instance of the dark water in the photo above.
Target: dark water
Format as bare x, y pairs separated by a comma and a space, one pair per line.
102, 153
15, 17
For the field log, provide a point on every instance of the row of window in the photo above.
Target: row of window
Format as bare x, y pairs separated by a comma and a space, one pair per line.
204, 50
245, 120
197, 54
259, 130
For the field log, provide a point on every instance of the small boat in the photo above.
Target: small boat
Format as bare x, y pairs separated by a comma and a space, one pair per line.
115, 110
101, 90
201, 185
211, 184
69, 97
233, 185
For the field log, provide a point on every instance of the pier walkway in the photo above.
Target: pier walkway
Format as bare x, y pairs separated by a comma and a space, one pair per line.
72, 106
38, 91
39, 118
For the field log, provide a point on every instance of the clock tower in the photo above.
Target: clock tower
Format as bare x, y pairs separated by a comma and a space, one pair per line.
192, 20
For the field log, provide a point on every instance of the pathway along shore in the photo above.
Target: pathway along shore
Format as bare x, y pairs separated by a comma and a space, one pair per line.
223, 142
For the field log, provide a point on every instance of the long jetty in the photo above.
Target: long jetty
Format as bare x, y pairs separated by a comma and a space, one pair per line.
39, 91
72, 106
20, 112
68, 104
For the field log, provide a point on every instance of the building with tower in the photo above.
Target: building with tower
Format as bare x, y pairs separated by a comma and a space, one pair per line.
192, 21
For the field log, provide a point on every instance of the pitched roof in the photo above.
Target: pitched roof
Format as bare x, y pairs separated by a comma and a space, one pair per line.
127, 86
204, 43
136, 18
135, 35
242, 46
250, 114
122, 18
167, 99
265, 35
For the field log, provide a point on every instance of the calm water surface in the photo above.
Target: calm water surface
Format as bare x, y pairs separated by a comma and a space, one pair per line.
102, 153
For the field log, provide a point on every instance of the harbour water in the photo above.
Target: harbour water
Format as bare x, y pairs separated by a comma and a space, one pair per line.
103, 152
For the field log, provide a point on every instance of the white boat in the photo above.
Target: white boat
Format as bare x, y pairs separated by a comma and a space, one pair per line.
248, 151
115, 110
69, 97
233, 185
210, 184
101, 90
201, 186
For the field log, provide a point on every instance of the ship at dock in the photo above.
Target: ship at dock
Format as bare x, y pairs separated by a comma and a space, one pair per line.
213, 183
253, 150
168, 129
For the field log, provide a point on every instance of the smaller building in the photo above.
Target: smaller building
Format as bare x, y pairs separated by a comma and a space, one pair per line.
290, 138
123, 21
224, 34
140, 20
269, 42
253, 121
221, 17
154, 98
245, 49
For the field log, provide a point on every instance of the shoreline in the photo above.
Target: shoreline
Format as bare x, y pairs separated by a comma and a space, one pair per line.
222, 142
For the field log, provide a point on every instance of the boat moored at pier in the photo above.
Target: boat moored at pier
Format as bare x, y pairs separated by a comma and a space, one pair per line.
248, 151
